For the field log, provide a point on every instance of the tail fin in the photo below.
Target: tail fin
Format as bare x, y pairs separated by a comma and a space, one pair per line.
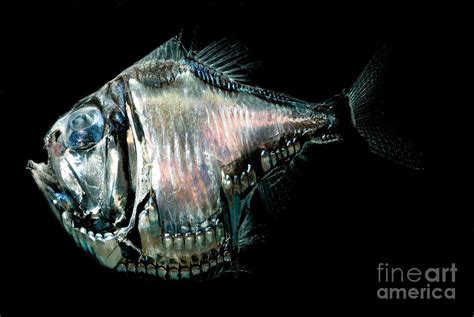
366, 116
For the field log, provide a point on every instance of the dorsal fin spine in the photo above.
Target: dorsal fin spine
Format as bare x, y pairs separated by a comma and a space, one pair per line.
210, 75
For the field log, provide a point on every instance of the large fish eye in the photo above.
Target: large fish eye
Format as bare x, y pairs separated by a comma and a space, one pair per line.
84, 128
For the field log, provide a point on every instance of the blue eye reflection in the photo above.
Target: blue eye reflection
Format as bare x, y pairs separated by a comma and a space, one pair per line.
85, 128
81, 121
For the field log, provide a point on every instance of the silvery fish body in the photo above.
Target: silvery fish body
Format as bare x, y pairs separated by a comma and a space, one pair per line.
150, 174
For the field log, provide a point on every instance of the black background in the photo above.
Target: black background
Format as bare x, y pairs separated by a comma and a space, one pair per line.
351, 210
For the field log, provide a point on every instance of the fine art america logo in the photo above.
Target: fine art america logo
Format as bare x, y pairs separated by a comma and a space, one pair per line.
416, 283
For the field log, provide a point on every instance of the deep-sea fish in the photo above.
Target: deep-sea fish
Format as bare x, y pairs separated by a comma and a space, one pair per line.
152, 172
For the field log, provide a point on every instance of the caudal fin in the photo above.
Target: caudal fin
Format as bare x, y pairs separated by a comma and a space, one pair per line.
366, 115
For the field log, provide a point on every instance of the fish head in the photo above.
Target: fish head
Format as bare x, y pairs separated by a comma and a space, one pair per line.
86, 178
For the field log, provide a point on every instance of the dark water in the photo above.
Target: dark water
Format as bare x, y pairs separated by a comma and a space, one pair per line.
350, 211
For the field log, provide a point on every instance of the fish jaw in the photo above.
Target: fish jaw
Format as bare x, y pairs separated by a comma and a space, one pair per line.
103, 246
47, 184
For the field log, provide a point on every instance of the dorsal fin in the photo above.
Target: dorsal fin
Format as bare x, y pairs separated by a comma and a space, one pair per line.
225, 58
170, 50
161, 66
222, 64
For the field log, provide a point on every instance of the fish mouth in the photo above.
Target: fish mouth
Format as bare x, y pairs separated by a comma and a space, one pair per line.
201, 251
104, 246
46, 181
196, 254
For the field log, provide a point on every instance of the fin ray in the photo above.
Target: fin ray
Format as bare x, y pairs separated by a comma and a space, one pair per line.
170, 50
367, 115
225, 58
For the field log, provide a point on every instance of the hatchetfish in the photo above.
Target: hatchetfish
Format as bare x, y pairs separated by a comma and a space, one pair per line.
150, 173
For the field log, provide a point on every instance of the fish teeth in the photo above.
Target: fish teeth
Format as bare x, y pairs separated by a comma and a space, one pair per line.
105, 248
291, 148
220, 233
297, 145
85, 240
265, 160
212, 262
244, 181
173, 270
185, 273
273, 158
67, 221
227, 256
329, 137
200, 241
82, 236
196, 270
131, 268
189, 241
178, 242
213, 257
161, 260
284, 153
161, 272
151, 269
252, 175
182, 255
141, 268
237, 187
196, 265
173, 274
210, 236
204, 224
228, 185
279, 155
238, 184
204, 265
90, 238
167, 242
121, 268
